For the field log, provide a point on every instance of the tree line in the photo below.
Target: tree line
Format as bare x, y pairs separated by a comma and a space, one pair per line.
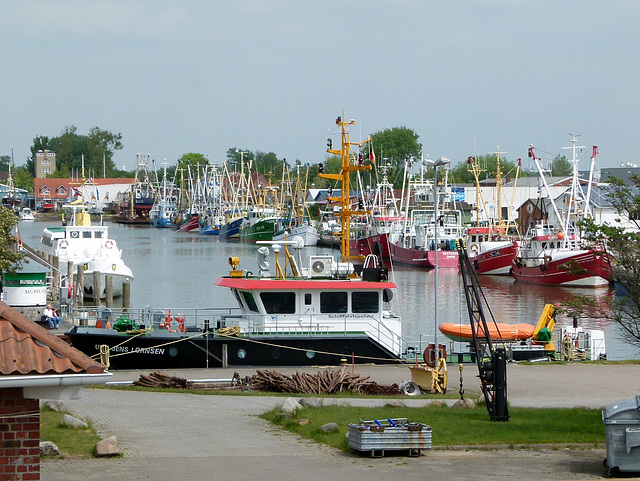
391, 147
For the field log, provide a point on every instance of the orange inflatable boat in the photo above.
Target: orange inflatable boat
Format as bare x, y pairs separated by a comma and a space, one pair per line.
508, 332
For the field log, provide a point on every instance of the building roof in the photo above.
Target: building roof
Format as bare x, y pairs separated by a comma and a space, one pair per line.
53, 184
26, 348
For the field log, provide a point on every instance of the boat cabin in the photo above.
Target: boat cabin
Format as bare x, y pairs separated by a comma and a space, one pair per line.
323, 299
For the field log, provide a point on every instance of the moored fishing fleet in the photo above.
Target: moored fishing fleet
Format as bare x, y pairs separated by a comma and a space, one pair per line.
294, 310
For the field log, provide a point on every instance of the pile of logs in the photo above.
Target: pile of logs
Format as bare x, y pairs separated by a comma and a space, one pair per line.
159, 379
324, 382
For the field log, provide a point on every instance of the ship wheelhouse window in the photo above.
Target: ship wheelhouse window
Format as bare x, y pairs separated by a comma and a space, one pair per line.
250, 301
237, 296
307, 299
98, 234
333, 302
365, 302
279, 302
86, 234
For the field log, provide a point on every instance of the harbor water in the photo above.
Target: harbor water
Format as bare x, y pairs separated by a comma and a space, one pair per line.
177, 269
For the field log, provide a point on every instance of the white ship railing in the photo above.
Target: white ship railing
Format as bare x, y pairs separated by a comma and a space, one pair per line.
251, 325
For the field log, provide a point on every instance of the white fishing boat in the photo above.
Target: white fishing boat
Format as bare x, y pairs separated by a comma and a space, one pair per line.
80, 242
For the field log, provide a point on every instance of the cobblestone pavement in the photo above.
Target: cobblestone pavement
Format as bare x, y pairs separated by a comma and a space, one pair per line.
166, 436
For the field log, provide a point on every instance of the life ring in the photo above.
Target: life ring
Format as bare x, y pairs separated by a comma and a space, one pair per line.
430, 355
474, 249
109, 244
180, 320
63, 244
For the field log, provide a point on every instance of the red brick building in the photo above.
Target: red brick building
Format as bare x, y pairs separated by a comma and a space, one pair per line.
34, 365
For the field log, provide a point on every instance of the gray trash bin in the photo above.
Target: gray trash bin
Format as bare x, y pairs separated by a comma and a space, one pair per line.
622, 432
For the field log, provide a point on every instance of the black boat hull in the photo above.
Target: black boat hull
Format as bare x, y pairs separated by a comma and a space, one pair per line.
194, 350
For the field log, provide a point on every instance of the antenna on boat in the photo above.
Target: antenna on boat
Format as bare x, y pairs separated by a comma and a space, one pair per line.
344, 177
297, 243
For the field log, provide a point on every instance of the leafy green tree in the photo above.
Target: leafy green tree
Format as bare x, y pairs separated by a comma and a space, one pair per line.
623, 246
5, 160
561, 167
235, 156
22, 179
331, 165
10, 257
97, 148
191, 161
395, 145
488, 164
269, 165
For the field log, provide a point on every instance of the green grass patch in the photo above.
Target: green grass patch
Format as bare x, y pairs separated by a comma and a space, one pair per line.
70, 441
457, 427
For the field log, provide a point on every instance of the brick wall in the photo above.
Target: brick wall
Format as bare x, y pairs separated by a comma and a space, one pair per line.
19, 436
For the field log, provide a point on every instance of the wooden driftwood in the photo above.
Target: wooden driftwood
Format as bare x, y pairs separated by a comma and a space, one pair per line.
159, 379
324, 382
162, 380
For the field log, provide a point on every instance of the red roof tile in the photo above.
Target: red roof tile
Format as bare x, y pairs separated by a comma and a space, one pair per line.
54, 183
28, 348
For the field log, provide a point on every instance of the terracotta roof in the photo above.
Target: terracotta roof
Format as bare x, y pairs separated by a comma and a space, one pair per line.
28, 348
54, 183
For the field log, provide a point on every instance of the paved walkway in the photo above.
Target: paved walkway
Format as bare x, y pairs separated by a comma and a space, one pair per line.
184, 436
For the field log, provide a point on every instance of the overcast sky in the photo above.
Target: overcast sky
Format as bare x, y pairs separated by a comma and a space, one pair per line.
272, 75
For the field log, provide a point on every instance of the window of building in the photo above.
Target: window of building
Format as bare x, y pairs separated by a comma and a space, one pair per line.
333, 302
365, 302
279, 302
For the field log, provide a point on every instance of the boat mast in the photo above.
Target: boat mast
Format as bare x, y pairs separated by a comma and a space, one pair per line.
546, 186
593, 164
474, 168
498, 201
576, 189
344, 176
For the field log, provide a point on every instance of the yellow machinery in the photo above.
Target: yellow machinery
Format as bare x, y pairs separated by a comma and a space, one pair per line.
543, 333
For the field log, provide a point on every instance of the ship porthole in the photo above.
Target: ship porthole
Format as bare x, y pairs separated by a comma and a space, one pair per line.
173, 351
276, 354
311, 354
241, 353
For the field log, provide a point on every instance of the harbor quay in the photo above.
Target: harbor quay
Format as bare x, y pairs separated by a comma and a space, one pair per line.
166, 436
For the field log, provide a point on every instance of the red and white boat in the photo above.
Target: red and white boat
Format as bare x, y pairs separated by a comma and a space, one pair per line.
557, 256
425, 234
547, 257
373, 238
491, 241
492, 257
416, 244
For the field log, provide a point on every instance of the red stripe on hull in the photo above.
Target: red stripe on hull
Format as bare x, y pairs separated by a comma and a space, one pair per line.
494, 262
421, 258
587, 269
